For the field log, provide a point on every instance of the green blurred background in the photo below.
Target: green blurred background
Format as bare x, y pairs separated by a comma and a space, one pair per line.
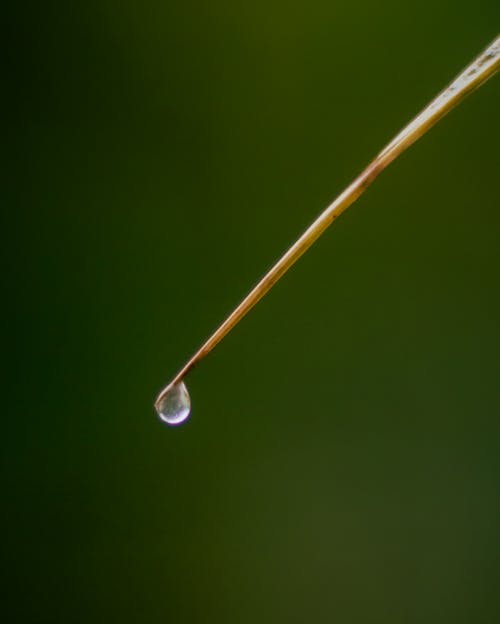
342, 462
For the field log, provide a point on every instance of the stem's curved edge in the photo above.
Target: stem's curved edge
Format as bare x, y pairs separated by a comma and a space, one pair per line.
474, 75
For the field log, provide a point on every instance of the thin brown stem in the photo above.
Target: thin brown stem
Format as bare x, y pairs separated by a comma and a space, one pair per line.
485, 66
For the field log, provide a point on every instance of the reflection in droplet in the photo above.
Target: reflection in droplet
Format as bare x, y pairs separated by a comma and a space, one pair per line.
175, 405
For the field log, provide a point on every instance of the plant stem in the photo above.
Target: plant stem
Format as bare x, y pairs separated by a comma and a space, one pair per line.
485, 66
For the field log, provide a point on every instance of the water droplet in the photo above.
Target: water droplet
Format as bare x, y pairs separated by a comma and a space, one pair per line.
175, 405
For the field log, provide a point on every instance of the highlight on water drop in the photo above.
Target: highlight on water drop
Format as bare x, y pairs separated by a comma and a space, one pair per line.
174, 405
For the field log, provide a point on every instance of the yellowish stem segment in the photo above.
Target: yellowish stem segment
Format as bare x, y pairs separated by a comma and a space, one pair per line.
485, 66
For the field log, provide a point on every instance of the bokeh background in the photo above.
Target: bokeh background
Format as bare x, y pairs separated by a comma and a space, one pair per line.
342, 462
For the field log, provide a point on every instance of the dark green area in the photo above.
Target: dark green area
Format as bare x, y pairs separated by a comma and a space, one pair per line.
342, 463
